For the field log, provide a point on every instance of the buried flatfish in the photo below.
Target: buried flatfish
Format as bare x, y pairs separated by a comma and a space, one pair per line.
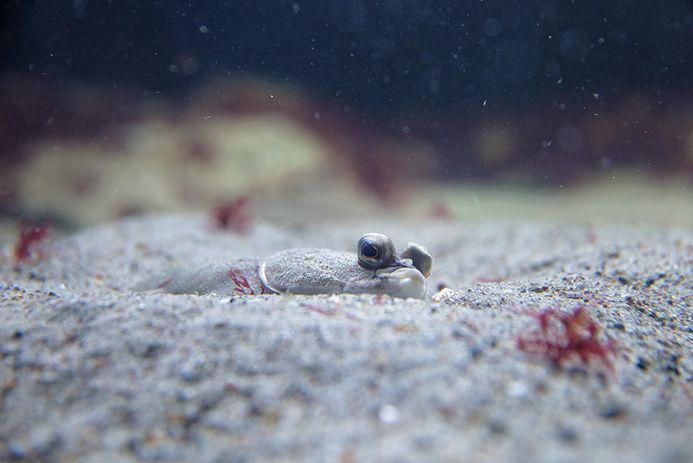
374, 269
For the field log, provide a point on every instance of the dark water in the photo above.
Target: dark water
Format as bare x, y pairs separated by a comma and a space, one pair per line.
387, 57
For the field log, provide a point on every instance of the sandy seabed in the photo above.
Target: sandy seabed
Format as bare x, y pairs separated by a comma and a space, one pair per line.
92, 369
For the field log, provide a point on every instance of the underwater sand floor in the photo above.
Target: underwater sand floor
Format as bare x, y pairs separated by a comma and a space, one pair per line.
91, 370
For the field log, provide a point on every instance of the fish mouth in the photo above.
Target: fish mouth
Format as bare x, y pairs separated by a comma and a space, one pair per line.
402, 281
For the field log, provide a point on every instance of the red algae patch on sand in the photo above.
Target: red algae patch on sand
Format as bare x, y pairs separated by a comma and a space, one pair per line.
233, 215
563, 338
29, 236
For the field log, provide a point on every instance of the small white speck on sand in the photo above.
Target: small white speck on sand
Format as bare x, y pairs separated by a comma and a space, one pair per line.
388, 414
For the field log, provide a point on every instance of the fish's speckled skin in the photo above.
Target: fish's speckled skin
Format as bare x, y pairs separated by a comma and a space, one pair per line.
374, 269
294, 271
211, 278
324, 271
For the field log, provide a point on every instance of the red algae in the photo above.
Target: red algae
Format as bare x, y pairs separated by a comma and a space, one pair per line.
233, 215
243, 287
319, 310
565, 337
29, 236
241, 282
440, 210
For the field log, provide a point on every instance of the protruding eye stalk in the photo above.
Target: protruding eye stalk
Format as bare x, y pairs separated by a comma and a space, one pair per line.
420, 258
375, 251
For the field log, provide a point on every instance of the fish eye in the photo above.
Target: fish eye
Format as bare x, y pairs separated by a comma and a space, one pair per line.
368, 250
375, 251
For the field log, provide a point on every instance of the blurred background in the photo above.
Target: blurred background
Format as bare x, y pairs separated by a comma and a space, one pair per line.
311, 110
